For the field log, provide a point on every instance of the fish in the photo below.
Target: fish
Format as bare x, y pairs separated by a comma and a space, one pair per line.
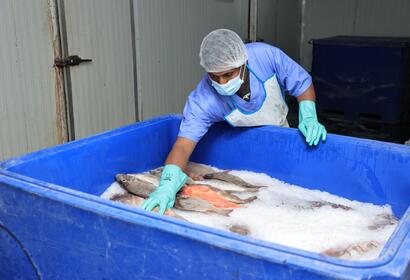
383, 220
356, 248
196, 204
156, 172
146, 176
229, 178
209, 193
149, 178
321, 203
240, 229
209, 199
128, 199
198, 168
219, 198
135, 185
199, 172
192, 169
136, 201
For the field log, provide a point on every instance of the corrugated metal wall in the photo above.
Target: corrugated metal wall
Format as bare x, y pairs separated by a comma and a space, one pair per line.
27, 89
324, 18
103, 90
279, 24
169, 34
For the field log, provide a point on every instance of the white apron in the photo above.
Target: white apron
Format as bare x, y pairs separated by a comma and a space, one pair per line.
273, 110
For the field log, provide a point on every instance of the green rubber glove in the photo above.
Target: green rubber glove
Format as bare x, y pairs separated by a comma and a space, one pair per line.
308, 123
172, 180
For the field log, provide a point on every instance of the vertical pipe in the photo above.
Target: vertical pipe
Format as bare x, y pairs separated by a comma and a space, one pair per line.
137, 45
66, 71
302, 31
61, 106
253, 19
134, 55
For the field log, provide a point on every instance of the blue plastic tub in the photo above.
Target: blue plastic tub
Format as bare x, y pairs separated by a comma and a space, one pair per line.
54, 225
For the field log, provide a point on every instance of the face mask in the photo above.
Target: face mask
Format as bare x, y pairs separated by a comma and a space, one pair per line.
231, 87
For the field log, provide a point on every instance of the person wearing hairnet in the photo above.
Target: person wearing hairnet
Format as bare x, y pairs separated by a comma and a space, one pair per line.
244, 86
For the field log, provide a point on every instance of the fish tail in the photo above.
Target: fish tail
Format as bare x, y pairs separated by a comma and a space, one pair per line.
250, 199
223, 212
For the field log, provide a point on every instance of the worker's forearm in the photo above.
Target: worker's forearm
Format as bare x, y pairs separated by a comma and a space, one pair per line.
308, 94
181, 151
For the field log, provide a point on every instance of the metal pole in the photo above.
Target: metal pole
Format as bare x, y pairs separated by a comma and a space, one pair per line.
302, 30
61, 105
253, 19
62, 30
134, 55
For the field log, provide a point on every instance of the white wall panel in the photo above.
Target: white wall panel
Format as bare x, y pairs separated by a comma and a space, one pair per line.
279, 24
169, 34
382, 18
103, 90
27, 88
325, 18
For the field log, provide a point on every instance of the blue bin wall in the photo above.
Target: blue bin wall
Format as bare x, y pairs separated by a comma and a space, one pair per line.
55, 227
85, 243
363, 170
90, 165
345, 166
363, 78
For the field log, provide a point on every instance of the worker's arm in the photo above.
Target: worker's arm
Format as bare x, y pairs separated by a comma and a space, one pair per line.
308, 122
172, 178
308, 94
181, 151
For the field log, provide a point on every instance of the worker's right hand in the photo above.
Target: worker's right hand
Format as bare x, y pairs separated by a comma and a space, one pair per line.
172, 180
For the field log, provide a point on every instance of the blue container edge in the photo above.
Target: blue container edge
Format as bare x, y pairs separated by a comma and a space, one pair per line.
222, 239
392, 246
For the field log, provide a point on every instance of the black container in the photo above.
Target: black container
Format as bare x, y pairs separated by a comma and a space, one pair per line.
362, 78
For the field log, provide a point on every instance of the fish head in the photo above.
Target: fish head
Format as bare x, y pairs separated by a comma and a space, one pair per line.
123, 179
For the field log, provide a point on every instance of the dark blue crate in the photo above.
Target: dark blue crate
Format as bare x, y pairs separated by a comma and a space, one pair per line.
363, 77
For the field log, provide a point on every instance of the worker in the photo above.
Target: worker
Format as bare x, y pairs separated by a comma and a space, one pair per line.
244, 86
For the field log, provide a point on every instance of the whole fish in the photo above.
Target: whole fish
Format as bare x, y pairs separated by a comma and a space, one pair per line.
219, 198
153, 179
321, 203
128, 199
135, 185
198, 168
383, 220
156, 172
356, 248
240, 229
197, 204
136, 201
193, 170
205, 198
200, 172
229, 178
207, 192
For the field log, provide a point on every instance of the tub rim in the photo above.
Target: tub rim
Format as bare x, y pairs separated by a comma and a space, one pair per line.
249, 246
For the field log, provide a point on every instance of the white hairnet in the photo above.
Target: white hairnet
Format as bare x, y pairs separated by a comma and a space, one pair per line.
222, 50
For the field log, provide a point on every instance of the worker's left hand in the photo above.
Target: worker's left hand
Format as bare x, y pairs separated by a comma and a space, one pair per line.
308, 123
